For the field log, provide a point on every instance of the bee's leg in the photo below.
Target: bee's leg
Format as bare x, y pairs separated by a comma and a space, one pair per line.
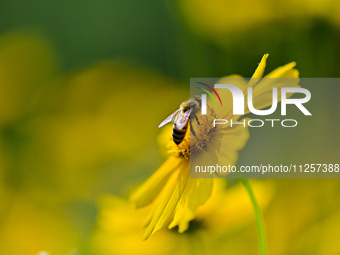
196, 118
192, 130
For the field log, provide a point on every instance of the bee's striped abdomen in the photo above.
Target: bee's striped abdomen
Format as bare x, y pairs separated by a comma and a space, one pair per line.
178, 135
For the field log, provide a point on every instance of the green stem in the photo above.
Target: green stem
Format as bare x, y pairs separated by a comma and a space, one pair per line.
258, 215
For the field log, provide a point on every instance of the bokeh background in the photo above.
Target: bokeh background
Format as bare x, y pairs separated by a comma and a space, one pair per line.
83, 86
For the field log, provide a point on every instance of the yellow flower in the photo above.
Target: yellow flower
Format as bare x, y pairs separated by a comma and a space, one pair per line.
175, 197
217, 20
216, 17
26, 64
228, 210
59, 137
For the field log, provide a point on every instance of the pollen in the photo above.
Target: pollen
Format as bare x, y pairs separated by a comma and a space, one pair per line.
200, 131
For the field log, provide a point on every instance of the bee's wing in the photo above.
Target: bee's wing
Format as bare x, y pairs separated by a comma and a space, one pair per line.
182, 119
168, 119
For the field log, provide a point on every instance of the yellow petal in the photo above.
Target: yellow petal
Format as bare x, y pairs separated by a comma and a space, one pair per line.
285, 71
196, 193
225, 111
232, 76
147, 192
258, 74
262, 94
168, 199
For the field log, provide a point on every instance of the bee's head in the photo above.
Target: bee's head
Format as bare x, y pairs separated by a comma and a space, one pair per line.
193, 103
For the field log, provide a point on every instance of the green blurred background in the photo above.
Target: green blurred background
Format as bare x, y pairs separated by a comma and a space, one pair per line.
83, 86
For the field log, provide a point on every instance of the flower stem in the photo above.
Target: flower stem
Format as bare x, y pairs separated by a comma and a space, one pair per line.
258, 215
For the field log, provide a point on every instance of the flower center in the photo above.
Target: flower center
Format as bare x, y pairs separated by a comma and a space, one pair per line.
200, 131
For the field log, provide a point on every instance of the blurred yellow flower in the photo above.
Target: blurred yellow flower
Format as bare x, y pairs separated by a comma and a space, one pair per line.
175, 197
61, 136
81, 131
218, 19
229, 210
28, 227
26, 63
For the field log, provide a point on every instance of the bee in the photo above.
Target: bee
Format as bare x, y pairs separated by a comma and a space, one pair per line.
181, 117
